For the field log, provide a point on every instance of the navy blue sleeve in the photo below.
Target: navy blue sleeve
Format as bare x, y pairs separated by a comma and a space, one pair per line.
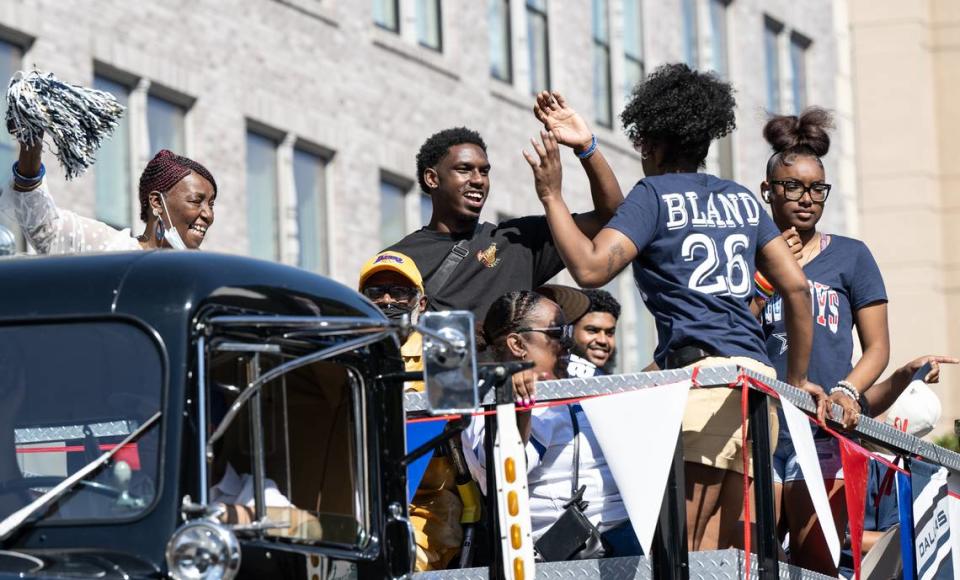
766, 229
867, 283
638, 217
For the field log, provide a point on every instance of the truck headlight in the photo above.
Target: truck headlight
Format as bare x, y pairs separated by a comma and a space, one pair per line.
203, 549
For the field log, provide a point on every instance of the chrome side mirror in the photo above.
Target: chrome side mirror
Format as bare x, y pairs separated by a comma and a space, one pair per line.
449, 361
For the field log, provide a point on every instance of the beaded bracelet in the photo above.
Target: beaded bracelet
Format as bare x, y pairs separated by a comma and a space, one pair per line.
590, 150
848, 388
27, 182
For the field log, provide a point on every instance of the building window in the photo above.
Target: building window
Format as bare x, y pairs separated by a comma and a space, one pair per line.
691, 52
10, 62
538, 45
114, 185
718, 38
798, 64
501, 54
386, 14
633, 66
309, 178
771, 49
262, 226
393, 224
165, 125
429, 29
601, 64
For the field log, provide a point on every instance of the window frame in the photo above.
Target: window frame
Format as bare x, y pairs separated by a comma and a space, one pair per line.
324, 158
396, 12
531, 12
772, 33
364, 500
164, 381
420, 22
507, 31
799, 52
276, 137
601, 48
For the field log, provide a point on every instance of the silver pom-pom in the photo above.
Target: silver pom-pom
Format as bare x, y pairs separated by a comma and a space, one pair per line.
77, 119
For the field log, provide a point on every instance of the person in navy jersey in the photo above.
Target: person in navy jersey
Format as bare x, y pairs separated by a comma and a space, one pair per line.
695, 241
847, 292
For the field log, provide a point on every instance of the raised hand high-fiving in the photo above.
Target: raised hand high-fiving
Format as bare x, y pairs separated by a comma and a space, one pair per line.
547, 168
566, 125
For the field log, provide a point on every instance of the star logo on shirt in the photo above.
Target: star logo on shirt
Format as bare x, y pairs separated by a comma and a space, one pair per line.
782, 337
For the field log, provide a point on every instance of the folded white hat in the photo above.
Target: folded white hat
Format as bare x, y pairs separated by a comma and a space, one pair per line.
916, 411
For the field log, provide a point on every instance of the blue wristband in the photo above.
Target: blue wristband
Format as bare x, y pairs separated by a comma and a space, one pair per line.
590, 150
27, 181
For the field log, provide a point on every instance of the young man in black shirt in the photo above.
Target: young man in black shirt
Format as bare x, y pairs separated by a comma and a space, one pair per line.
466, 264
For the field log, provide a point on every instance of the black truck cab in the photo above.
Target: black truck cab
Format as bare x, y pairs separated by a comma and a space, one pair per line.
197, 415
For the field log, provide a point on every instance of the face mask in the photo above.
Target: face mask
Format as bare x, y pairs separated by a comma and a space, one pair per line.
394, 311
170, 233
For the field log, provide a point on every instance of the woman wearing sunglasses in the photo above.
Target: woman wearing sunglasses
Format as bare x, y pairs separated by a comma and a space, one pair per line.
847, 291
564, 458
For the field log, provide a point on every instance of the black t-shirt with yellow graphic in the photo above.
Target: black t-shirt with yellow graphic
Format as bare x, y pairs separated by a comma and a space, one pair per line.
518, 254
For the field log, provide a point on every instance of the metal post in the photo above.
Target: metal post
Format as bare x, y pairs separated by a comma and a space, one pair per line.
669, 550
256, 443
496, 571
768, 566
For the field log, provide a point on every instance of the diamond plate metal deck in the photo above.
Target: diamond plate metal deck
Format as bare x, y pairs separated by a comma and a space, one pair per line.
703, 565
69, 432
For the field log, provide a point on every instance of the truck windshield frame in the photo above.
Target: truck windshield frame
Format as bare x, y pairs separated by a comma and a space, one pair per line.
74, 387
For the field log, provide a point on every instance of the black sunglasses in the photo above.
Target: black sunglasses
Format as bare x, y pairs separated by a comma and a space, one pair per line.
561, 333
395, 291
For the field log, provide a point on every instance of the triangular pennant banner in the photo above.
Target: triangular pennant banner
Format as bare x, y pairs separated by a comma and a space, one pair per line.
802, 436
620, 422
855, 468
418, 433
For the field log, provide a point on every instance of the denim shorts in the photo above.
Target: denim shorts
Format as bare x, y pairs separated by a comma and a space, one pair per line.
787, 468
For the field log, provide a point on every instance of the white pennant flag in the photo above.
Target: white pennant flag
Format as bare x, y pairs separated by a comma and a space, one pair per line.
623, 425
802, 437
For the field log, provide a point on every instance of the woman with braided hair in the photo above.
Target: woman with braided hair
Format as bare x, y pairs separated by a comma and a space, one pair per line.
176, 205
532, 326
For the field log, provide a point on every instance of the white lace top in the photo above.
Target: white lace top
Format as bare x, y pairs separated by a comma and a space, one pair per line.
51, 230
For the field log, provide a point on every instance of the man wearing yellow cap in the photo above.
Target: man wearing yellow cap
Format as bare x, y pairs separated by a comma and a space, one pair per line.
392, 281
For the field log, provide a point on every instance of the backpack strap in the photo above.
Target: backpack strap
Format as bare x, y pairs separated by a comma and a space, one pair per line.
457, 253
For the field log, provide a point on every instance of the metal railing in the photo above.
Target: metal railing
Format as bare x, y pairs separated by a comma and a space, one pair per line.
669, 558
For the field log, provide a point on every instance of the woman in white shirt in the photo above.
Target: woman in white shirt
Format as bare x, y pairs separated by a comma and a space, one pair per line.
526, 325
176, 205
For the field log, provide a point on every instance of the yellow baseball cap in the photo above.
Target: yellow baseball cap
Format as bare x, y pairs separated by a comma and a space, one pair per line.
393, 262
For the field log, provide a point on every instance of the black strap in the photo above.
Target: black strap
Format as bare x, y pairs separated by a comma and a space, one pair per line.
576, 452
457, 253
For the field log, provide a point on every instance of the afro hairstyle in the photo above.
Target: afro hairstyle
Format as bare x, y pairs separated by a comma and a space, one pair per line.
437, 145
682, 110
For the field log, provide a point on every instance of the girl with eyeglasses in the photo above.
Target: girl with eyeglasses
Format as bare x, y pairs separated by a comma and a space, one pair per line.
847, 292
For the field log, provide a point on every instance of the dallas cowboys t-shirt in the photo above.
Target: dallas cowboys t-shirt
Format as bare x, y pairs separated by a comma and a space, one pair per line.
843, 278
697, 237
